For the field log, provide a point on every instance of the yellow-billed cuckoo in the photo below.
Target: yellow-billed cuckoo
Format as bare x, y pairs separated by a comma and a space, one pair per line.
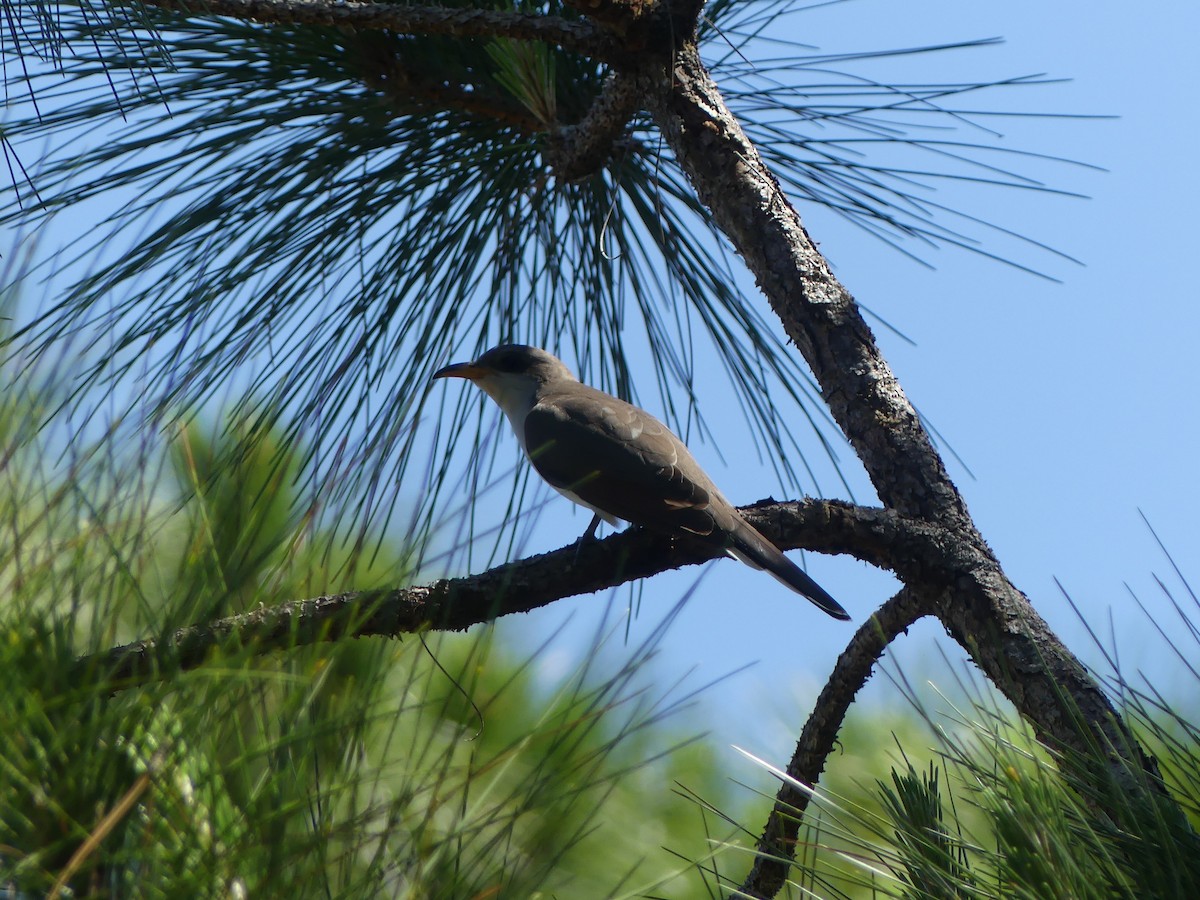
619, 461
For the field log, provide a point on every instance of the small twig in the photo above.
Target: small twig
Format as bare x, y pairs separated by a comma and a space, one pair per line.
104, 827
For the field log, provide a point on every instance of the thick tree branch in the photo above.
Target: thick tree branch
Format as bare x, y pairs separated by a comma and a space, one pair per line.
580, 36
817, 312
982, 610
458, 603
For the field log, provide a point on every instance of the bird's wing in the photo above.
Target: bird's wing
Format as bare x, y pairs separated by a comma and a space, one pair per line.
619, 459
616, 458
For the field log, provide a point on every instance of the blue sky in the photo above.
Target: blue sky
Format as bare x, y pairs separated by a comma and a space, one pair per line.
1071, 401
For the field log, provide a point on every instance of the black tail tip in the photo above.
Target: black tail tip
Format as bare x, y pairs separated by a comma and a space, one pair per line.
833, 608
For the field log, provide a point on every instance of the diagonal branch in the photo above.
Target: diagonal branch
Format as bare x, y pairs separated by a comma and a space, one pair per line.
817, 311
578, 150
581, 36
456, 604
984, 613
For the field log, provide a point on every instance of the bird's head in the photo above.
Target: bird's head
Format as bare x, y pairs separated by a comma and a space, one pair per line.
511, 374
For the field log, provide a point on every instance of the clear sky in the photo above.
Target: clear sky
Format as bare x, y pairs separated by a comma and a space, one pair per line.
1072, 402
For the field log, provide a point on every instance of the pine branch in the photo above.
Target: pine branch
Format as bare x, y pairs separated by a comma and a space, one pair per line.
580, 36
776, 846
577, 151
456, 604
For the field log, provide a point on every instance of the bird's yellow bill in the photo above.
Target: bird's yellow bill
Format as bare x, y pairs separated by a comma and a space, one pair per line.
469, 371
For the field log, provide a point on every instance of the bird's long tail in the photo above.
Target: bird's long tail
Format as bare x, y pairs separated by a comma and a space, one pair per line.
748, 545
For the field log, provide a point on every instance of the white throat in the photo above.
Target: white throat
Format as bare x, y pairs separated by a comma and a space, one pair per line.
516, 395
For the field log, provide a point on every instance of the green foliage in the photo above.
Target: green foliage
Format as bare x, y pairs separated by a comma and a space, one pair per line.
433, 767
993, 814
527, 71
933, 860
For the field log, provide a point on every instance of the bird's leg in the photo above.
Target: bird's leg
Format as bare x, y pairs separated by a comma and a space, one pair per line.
589, 535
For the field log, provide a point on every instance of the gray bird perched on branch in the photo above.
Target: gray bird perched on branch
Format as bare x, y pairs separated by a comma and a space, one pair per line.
619, 461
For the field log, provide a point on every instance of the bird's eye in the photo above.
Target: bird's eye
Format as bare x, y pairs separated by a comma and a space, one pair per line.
509, 362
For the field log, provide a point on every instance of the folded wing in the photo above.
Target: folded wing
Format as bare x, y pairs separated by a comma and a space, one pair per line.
619, 459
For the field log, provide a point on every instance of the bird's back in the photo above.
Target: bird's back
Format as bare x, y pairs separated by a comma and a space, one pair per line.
621, 459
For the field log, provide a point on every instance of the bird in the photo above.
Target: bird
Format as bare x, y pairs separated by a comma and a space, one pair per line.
619, 461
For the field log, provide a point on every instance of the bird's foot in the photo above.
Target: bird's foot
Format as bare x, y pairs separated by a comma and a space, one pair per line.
587, 537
